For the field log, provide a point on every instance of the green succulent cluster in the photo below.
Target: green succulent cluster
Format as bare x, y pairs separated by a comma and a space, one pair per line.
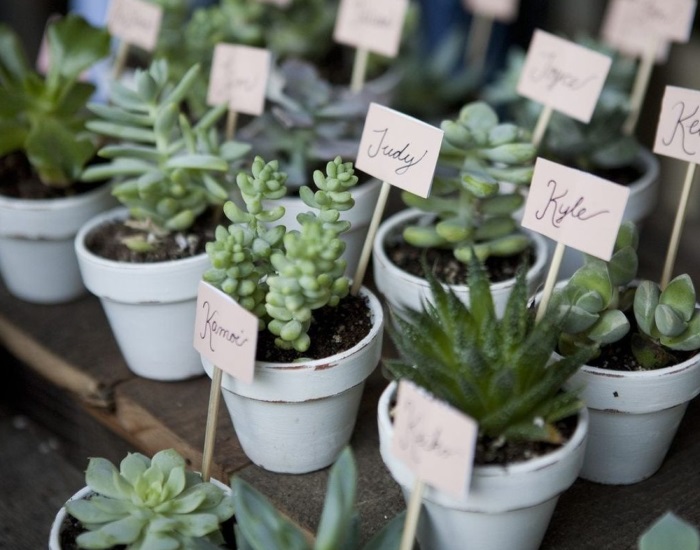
44, 116
473, 213
262, 527
597, 145
498, 371
150, 504
167, 170
282, 276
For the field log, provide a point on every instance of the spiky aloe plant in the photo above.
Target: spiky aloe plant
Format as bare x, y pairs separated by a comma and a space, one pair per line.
149, 503
498, 371
472, 212
166, 170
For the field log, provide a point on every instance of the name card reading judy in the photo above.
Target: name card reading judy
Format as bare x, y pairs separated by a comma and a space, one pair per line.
563, 75
371, 25
239, 78
399, 149
502, 10
575, 208
135, 22
225, 333
434, 440
678, 131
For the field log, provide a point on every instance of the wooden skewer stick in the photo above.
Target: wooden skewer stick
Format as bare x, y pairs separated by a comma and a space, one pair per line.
551, 280
120, 60
479, 39
231, 120
212, 420
412, 515
641, 83
541, 126
359, 69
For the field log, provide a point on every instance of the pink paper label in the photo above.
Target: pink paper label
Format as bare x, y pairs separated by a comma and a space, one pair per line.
563, 75
371, 25
633, 40
399, 149
502, 10
225, 333
678, 131
135, 22
239, 77
575, 208
434, 440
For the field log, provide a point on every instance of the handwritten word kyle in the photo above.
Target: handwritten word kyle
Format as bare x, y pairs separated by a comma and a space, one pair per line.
560, 211
554, 76
686, 124
213, 329
421, 439
391, 151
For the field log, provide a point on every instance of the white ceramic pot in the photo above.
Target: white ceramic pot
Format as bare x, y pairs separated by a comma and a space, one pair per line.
634, 417
37, 259
297, 417
360, 215
404, 290
507, 507
641, 202
150, 306
55, 533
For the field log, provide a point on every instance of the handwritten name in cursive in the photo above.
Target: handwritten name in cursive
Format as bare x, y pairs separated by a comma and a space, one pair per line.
554, 76
420, 438
560, 211
388, 150
687, 125
212, 329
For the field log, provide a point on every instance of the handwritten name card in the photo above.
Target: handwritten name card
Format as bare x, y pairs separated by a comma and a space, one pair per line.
239, 78
399, 149
630, 34
371, 25
501, 10
563, 75
678, 131
575, 208
434, 440
225, 333
135, 22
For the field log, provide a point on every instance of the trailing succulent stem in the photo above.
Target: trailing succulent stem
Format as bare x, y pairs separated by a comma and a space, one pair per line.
168, 171
282, 276
498, 371
473, 214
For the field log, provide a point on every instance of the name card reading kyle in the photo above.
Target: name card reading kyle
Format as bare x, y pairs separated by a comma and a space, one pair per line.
678, 131
501, 10
371, 25
225, 333
135, 22
434, 440
239, 77
399, 149
563, 75
575, 208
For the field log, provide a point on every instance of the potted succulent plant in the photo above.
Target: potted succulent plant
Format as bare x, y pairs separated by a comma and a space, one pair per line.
483, 166
144, 260
600, 146
647, 368
145, 503
260, 526
500, 372
43, 150
318, 343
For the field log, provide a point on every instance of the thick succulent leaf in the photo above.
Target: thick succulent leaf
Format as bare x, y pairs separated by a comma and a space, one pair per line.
197, 525
13, 60
452, 230
595, 277
670, 531
649, 354
104, 479
679, 294
133, 465
86, 512
156, 541
668, 321
480, 184
623, 266
646, 298
511, 153
611, 326
627, 235
75, 45
688, 340
336, 519
12, 136
123, 531
424, 237
478, 115
197, 162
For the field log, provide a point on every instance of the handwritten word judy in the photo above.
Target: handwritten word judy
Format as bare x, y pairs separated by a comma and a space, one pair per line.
554, 76
687, 124
560, 211
390, 151
213, 329
420, 439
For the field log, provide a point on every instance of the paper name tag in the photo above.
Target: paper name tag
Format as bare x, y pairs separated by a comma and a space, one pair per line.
634, 40
434, 440
678, 131
575, 208
502, 10
225, 333
278, 3
239, 77
563, 75
371, 25
135, 22
399, 149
